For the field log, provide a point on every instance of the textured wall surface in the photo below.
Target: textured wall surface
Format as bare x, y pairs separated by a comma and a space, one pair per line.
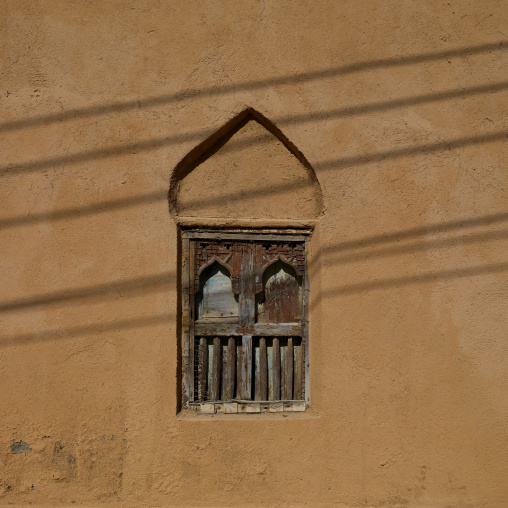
401, 109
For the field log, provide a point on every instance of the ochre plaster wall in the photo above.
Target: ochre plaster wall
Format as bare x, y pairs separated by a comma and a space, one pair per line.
401, 108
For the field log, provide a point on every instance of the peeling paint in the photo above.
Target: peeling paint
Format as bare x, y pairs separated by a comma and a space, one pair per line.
20, 447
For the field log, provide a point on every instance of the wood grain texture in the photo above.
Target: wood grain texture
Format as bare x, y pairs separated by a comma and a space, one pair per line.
224, 369
230, 369
269, 366
239, 370
297, 366
203, 368
190, 307
257, 329
288, 368
276, 369
245, 379
187, 363
305, 329
263, 370
283, 352
257, 373
216, 370
268, 237
281, 300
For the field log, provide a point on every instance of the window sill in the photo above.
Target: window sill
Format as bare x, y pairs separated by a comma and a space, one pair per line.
191, 415
248, 406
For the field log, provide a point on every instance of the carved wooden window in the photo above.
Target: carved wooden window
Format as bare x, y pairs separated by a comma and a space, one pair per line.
245, 321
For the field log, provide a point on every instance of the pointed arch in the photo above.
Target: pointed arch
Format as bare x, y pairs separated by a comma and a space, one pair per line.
209, 147
280, 258
217, 260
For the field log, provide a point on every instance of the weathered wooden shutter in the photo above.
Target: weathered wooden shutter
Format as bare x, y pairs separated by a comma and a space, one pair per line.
246, 311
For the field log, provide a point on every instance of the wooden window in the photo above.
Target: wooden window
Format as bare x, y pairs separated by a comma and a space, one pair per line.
245, 321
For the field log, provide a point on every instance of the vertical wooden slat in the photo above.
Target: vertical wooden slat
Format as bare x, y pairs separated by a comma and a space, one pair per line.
216, 364
209, 368
203, 368
276, 369
269, 363
260, 370
283, 351
247, 296
230, 393
288, 378
257, 372
239, 380
247, 315
263, 371
297, 387
224, 372
245, 378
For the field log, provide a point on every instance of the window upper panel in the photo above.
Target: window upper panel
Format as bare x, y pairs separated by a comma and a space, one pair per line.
216, 298
281, 299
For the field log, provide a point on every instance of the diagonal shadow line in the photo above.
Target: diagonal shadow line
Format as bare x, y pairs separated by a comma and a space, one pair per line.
372, 107
415, 247
102, 153
327, 293
114, 289
361, 287
340, 163
214, 91
198, 135
344, 162
83, 211
405, 234
391, 104
76, 331
150, 283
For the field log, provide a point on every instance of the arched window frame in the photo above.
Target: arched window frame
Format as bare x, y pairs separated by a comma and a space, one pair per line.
210, 349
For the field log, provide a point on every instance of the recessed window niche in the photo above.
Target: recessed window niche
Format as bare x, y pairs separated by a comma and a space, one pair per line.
246, 201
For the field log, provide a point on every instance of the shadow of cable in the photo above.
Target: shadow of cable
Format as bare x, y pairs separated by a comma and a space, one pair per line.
78, 331
336, 254
84, 211
365, 255
114, 289
374, 107
199, 135
195, 204
397, 282
451, 144
295, 79
396, 236
169, 319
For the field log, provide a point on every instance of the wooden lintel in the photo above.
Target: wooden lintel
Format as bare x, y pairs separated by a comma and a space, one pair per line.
227, 223
258, 329
264, 237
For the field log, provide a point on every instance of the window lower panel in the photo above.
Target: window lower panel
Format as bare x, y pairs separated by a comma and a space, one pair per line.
248, 369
